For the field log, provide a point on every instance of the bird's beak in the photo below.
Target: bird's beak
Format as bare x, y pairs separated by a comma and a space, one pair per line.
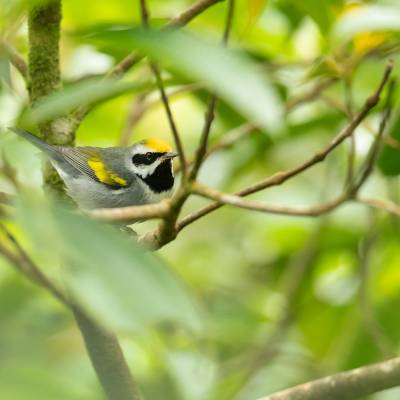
169, 155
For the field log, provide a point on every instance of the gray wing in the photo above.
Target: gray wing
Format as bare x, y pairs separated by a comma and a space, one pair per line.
78, 158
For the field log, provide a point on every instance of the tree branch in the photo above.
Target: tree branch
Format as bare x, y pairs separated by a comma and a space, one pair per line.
346, 385
44, 76
237, 201
107, 359
281, 177
386, 205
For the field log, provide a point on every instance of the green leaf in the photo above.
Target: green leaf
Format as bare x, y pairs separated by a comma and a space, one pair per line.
233, 76
321, 14
389, 160
368, 19
80, 94
109, 275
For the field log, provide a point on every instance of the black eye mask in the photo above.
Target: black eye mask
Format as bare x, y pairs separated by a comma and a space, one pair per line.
145, 159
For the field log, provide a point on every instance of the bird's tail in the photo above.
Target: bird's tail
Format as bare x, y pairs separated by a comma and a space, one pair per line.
41, 144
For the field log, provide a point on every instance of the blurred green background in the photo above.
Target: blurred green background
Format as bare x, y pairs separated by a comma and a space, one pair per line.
282, 300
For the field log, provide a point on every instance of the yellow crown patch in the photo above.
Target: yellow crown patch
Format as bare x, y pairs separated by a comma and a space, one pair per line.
157, 145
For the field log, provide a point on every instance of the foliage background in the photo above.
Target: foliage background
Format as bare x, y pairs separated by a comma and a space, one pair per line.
326, 290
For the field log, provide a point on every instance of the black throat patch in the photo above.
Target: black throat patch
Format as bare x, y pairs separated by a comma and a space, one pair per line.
162, 178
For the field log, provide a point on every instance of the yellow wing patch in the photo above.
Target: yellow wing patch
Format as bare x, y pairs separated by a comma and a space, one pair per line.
157, 145
105, 176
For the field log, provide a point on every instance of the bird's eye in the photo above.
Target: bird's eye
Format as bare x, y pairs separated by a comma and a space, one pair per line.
149, 156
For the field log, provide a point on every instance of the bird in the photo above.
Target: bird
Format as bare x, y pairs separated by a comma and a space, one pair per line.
111, 177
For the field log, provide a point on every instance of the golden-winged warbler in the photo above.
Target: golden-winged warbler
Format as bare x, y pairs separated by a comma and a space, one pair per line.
110, 177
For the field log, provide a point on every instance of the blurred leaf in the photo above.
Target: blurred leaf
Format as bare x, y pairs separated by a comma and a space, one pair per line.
256, 8
389, 160
368, 19
80, 94
319, 13
110, 275
28, 380
234, 77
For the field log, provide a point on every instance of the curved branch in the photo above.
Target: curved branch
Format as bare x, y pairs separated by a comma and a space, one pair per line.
239, 202
346, 385
281, 177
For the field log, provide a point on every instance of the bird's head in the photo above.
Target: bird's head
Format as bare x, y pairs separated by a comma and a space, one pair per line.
151, 160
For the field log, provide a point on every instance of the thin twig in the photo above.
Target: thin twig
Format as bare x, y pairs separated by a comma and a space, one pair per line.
140, 106
209, 116
160, 84
228, 139
237, 201
202, 148
312, 94
374, 150
386, 205
172, 124
193, 11
15, 58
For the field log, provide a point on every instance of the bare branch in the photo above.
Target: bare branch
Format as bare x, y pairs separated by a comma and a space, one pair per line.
239, 202
312, 94
133, 213
192, 12
202, 148
281, 177
373, 153
346, 385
